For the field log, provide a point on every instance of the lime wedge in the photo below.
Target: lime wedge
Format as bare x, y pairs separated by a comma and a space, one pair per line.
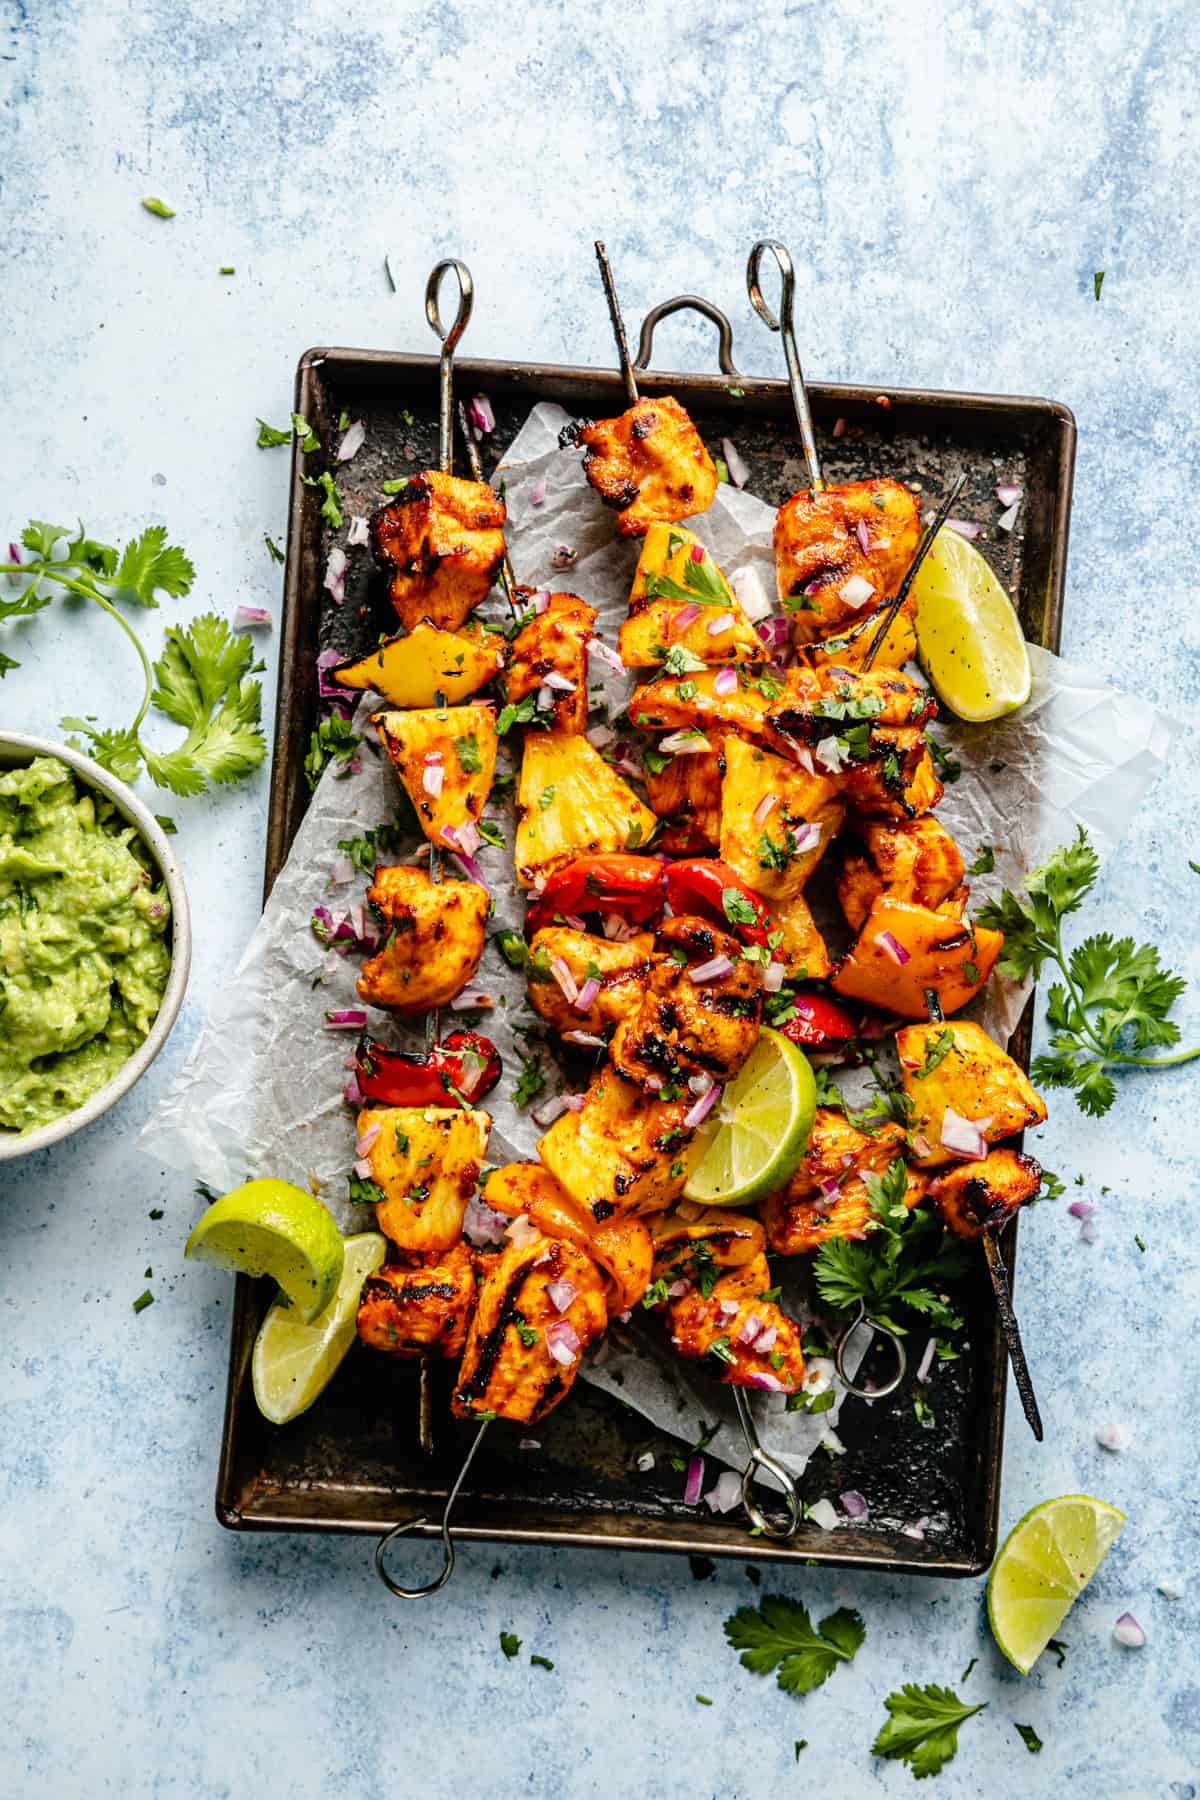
759, 1128
969, 638
1044, 1564
268, 1227
294, 1362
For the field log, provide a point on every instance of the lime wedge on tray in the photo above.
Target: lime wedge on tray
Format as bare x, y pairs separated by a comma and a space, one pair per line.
1043, 1566
294, 1362
969, 638
269, 1227
759, 1128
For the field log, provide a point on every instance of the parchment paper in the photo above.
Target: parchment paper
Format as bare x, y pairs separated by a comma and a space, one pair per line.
262, 1087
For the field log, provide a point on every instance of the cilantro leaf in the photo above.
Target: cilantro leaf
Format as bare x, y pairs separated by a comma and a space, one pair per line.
779, 1635
530, 1082
1029, 1737
149, 562
161, 210
510, 1643
270, 437
922, 1729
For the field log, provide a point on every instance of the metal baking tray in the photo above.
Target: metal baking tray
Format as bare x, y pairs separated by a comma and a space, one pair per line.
352, 1463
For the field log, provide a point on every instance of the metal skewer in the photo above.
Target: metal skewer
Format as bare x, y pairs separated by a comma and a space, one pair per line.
628, 374
785, 326
407, 1525
760, 1459
508, 580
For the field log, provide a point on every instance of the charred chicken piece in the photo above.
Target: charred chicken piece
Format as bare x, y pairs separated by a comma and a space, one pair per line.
649, 464
551, 650
540, 1304
699, 1013
425, 1161
698, 1249
624, 1150
433, 944
422, 1309
442, 542
887, 771
563, 958
840, 549
980, 1196
822, 703
908, 859
686, 792
955, 1069
621, 1248
827, 1196
696, 702
753, 1342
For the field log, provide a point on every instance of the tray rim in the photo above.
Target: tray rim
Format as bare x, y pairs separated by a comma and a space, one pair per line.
659, 1536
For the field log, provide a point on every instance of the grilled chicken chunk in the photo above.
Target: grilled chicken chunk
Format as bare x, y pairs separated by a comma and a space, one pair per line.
554, 645
672, 704
886, 771
540, 1305
442, 542
686, 792
433, 944
425, 1160
838, 550
621, 1248
972, 1077
753, 1342
623, 1151
908, 859
980, 1196
649, 464
419, 1310
827, 1195
685, 1026
819, 703
696, 1248
620, 968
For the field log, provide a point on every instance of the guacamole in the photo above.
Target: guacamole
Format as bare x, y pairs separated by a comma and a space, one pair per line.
83, 951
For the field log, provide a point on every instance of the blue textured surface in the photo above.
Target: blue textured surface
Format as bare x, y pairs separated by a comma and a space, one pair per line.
948, 192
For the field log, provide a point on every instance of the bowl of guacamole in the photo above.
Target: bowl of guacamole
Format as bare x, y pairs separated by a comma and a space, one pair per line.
94, 941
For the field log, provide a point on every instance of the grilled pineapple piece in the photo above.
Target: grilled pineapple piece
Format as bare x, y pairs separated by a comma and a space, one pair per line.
909, 859
446, 758
523, 1348
808, 1211
442, 542
422, 1309
826, 571
673, 703
623, 1151
570, 803
433, 944
554, 643
649, 464
414, 668
686, 792
749, 1338
975, 1197
679, 596
765, 846
903, 951
620, 968
975, 1079
621, 1248
801, 948
426, 1161
850, 647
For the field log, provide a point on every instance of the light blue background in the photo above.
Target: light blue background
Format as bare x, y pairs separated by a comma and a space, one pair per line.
948, 179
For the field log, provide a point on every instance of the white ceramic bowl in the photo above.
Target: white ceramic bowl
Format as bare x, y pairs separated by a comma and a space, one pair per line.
15, 751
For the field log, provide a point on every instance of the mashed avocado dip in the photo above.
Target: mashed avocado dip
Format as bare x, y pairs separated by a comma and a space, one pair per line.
83, 961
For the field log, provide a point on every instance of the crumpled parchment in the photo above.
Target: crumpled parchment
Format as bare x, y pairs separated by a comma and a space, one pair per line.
262, 1086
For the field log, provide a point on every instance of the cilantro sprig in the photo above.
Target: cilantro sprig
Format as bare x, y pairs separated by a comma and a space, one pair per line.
904, 1262
779, 1635
922, 1729
1113, 1000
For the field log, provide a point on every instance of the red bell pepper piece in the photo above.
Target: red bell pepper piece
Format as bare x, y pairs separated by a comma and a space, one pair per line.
619, 883
818, 1022
466, 1063
709, 887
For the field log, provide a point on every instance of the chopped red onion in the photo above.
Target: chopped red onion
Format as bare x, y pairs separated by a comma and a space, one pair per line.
521, 1231
694, 1482
587, 994
855, 1505
349, 1018
563, 557
248, 618
766, 1340
432, 779
689, 742
1081, 1209
863, 536
1008, 519
576, 922
758, 1378
1008, 495
601, 736
472, 1000
352, 442
471, 869
537, 492
482, 417
626, 763
739, 473
352, 1094
725, 681
1128, 1633
588, 1039
606, 654
328, 690
335, 575
562, 1341
774, 976
687, 615
829, 1189
679, 1288
715, 969
529, 1444
804, 757
723, 622
839, 428
726, 1494
808, 837
964, 1137
750, 1327
966, 528
655, 1083
830, 755
362, 1169
921, 1144
562, 684
363, 1144
546, 1111
545, 698
915, 1529
561, 1293
565, 979
341, 871
765, 807
696, 1115
699, 1084
857, 591
358, 533
926, 1362
574, 1102
541, 601
1114, 1437
895, 949
482, 1224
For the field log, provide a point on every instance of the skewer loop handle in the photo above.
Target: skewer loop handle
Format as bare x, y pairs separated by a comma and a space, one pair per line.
784, 325
466, 300
407, 1525
760, 1459
862, 1317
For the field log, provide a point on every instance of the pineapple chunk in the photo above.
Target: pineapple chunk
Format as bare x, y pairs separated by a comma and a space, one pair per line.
801, 948
671, 703
975, 1079
570, 803
849, 648
764, 852
623, 1151
457, 743
415, 667
554, 643
426, 1162
675, 572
